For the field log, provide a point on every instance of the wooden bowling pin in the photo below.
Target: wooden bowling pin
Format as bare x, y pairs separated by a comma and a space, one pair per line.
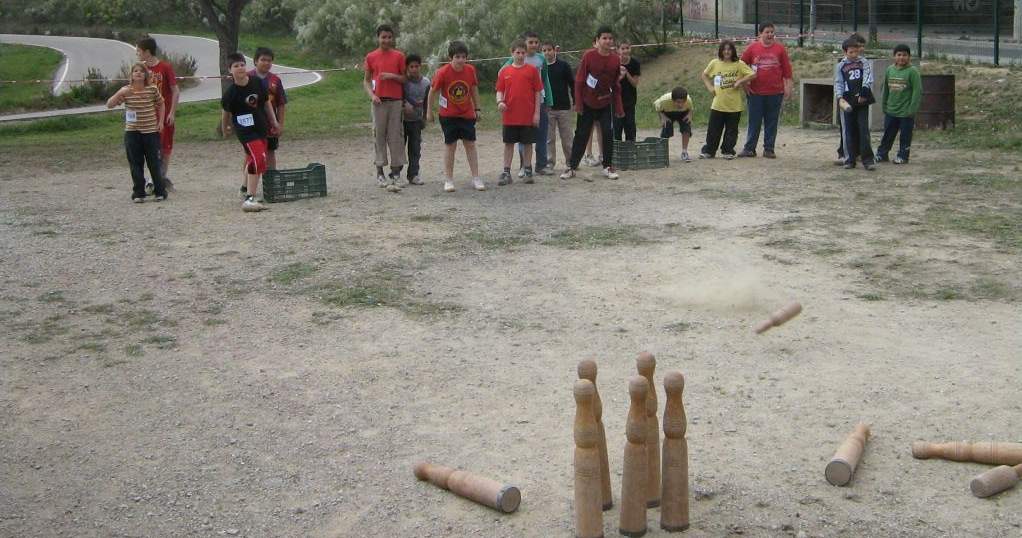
674, 501
646, 364
587, 370
635, 473
780, 317
588, 495
841, 467
480, 489
995, 480
995, 453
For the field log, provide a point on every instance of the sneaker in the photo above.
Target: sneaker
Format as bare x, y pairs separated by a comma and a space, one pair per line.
159, 198
168, 184
521, 173
528, 176
849, 166
568, 174
393, 176
899, 160
706, 156
505, 179
149, 188
448, 186
589, 160
769, 154
839, 161
685, 157
381, 179
548, 171
881, 159
598, 160
244, 192
729, 156
747, 153
250, 205
868, 165
610, 173
137, 200
417, 180
477, 184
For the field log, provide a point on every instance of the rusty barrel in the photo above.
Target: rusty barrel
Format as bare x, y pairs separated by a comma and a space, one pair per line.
937, 108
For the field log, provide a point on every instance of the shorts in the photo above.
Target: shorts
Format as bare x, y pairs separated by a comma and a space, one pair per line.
272, 143
522, 134
458, 129
255, 156
167, 140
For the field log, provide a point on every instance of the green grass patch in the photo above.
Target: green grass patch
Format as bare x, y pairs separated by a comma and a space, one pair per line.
293, 273
162, 341
426, 218
596, 237
678, 327
23, 63
493, 241
133, 350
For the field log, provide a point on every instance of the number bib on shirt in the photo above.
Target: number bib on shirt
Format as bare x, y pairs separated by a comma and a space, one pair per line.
591, 81
246, 120
443, 102
130, 116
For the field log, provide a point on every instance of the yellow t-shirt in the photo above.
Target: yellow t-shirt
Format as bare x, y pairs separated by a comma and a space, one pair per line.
665, 104
727, 98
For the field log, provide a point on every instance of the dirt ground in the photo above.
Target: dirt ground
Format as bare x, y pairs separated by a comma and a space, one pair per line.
184, 369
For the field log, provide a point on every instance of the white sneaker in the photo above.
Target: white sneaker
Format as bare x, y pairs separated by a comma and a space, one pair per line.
597, 161
685, 157
250, 205
548, 171
149, 188
415, 181
568, 174
610, 173
521, 173
477, 184
899, 160
382, 180
448, 186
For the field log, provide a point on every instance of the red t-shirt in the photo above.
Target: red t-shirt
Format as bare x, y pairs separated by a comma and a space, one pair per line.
162, 75
455, 90
597, 83
771, 65
274, 88
386, 61
519, 85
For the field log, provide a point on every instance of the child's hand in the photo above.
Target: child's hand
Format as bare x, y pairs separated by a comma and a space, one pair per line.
409, 110
861, 100
502, 106
226, 128
663, 120
535, 119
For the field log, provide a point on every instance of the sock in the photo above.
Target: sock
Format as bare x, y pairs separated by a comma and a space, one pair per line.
528, 169
507, 169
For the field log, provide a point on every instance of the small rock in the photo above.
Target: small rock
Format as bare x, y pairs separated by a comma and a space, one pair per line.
232, 532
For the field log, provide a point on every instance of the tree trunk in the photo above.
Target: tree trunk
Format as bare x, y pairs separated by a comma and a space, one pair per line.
225, 21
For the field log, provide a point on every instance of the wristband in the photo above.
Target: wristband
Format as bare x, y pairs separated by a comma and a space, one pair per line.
479, 110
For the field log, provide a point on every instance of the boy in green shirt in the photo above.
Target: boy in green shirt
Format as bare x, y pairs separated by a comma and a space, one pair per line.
903, 90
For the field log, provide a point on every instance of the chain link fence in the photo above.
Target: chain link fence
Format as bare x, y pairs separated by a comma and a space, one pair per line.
982, 31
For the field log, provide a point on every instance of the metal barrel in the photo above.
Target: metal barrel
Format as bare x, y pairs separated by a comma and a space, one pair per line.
937, 108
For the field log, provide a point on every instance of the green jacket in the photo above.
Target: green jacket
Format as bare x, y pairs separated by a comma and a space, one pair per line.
903, 90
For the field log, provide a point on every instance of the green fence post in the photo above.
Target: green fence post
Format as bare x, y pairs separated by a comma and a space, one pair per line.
801, 27
919, 28
997, 32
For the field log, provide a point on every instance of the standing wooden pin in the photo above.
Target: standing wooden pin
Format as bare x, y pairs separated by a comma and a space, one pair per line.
995, 480
480, 489
780, 317
634, 473
995, 453
646, 364
841, 467
674, 502
587, 370
588, 498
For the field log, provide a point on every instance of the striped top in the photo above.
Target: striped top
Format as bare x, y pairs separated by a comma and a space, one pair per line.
140, 109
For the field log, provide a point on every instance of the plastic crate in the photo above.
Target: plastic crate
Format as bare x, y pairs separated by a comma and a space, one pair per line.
649, 153
294, 184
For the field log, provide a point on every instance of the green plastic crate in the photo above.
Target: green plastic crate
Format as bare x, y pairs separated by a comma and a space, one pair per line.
649, 153
294, 184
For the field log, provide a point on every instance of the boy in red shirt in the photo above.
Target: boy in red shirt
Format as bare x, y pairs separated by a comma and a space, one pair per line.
384, 83
769, 60
457, 91
162, 74
597, 96
519, 94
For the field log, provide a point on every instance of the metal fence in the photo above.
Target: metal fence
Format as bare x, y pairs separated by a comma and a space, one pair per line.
987, 31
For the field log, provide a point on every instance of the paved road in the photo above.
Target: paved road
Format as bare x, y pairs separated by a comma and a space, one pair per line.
108, 55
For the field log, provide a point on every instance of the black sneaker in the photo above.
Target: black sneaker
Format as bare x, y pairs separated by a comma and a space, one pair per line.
880, 159
528, 176
393, 177
769, 154
505, 178
747, 153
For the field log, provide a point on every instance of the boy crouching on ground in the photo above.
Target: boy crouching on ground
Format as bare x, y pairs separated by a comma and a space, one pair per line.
246, 111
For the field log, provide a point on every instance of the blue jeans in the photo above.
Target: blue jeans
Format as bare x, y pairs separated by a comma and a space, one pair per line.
143, 149
764, 111
541, 136
891, 127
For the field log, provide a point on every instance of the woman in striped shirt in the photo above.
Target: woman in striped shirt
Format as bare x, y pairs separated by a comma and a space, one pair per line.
143, 121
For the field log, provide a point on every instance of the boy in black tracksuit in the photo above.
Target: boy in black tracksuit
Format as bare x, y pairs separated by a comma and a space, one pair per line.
853, 88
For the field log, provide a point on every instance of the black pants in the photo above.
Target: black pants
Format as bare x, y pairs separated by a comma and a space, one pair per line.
584, 128
144, 149
721, 122
855, 133
625, 125
413, 139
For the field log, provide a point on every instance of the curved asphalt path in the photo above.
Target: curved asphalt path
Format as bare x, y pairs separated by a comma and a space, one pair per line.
81, 53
